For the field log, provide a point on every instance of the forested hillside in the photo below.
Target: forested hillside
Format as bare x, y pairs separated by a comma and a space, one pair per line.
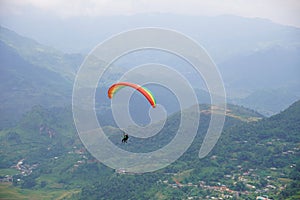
251, 158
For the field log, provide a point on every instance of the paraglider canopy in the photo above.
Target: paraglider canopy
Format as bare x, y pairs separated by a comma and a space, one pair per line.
143, 90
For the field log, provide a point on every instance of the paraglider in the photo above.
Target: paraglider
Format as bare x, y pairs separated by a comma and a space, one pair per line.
144, 91
125, 138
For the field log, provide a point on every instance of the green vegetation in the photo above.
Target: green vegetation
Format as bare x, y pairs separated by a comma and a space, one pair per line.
7, 191
45, 159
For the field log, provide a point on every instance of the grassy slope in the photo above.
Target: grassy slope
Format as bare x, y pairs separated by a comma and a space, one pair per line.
7, 191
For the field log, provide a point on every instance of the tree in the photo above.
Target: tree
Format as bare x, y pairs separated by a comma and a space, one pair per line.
240, 186
29, 182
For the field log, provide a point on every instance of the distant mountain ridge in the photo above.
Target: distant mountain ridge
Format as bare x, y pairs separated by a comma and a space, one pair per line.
267, 81
268, 61
223, 36
24, 85
32, 74
40, 55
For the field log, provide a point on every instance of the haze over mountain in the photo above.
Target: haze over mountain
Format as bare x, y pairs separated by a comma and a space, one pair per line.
223, 36
257, 58
32, 74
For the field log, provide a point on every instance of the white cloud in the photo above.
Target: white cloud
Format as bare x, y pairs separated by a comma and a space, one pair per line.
281, 11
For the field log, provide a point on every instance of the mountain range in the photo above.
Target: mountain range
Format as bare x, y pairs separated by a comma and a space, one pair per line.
258, 59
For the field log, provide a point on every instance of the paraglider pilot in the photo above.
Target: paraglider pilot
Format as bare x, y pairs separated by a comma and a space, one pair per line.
125, 137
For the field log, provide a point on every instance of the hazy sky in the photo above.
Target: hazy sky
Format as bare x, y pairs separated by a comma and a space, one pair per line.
280, 11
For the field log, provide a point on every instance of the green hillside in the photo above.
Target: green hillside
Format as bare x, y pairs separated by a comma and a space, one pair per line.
253, 157
40, 55
24, 85
32, 74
